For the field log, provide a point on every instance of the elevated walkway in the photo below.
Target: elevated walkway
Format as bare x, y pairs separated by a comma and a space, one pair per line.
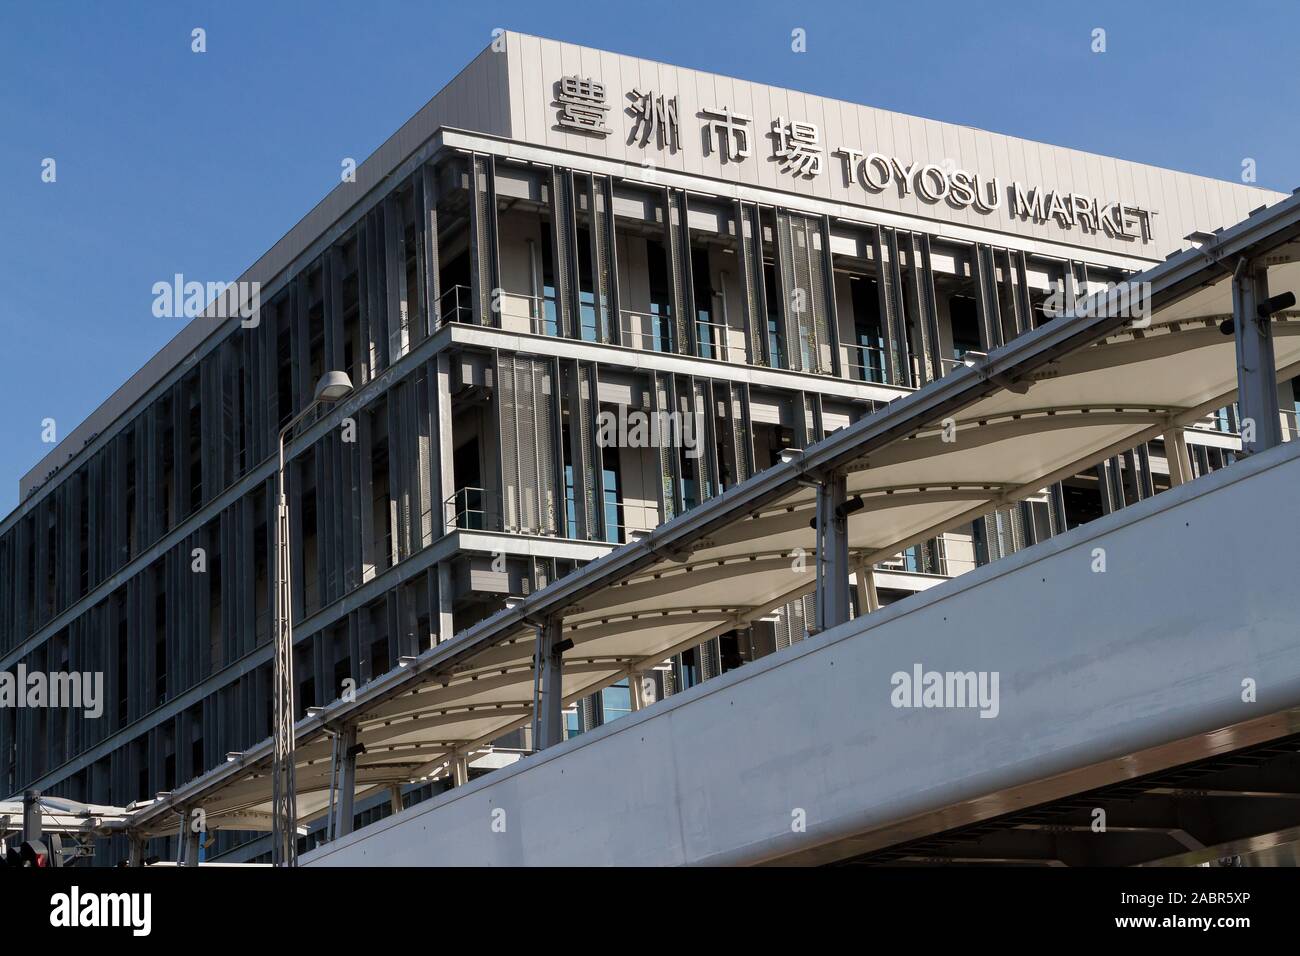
1185, 648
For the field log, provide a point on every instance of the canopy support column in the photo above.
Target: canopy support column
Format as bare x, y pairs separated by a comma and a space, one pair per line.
634, 690
549, 664
1256, 369
189, 839
868, 599
833, 551
346, 780
1180, 466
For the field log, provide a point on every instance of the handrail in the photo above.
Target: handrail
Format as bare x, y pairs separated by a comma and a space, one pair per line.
541, 321
471, 509
717, 339
868, 371
458, 311
660, 339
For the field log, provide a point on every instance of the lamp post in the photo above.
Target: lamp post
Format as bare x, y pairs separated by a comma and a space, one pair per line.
284, 810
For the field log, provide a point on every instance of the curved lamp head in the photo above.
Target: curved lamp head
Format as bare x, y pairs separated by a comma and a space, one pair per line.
333, 386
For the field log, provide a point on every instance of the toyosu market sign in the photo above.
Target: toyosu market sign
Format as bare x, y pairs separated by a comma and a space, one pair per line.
654, 123
935, 183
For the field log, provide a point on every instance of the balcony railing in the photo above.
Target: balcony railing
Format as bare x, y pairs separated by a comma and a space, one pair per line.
866, 363
711, 340
539, 311
456, 304
646, 331
474, 509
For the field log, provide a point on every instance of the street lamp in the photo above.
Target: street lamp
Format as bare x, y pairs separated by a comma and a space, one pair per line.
332, 386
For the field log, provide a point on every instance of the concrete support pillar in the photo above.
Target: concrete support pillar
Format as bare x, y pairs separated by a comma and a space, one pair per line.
135, 850
1111, 500
832, 553
395, 798
347, 781
446, 621
31, 815
868, 599
459, 770
635, 690
444, 477
190, 842
550, 704
1256, 368
1180, 465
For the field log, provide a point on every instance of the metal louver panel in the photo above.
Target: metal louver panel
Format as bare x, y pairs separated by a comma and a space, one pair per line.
526, 393
508, 437
589, 489
805, 329
710, 659
400, 449
604, 258
1079, 289
563, 239
424, 456
683, 283
546, 409
669, 492
1056, 509
927, 309
803, 268
429, 226
891, 306
1024, 305
819, 327
741, 431
700, 431
990, 314
376, 293
397, 310
749, 236
483, 236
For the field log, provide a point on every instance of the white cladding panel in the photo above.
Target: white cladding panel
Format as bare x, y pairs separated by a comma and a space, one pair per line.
1181, 202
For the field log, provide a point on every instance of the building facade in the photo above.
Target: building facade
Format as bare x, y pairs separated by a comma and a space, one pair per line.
577, 294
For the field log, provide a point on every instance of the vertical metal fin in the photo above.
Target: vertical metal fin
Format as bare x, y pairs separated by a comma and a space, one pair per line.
679, 256
563, 240
483, 236
890, 285
749, 239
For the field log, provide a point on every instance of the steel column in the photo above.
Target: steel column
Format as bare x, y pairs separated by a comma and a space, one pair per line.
347, 780
1180, 466
549, 661
868, 599
1256, 370
832, 553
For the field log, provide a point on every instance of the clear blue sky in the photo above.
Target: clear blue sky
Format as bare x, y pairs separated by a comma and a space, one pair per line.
169, 161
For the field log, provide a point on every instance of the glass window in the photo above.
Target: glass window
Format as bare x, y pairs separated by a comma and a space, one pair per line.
615, 702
